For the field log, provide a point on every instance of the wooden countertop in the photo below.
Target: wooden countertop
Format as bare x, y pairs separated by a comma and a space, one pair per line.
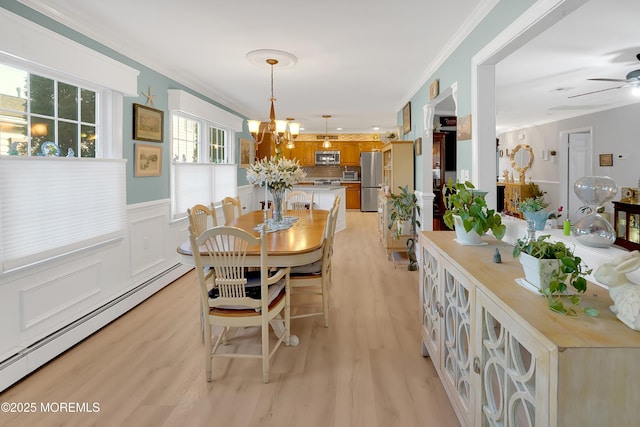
498, 280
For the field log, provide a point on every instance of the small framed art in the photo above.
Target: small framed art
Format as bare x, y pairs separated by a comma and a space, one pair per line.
406, 119
148, 123
148, 160
418, 144
606, 159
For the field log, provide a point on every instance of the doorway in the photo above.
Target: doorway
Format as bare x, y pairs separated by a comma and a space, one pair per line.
576, 163
438, 167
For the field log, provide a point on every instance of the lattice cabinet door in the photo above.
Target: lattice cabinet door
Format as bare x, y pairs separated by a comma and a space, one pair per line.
456, 365
513, 370
430, 307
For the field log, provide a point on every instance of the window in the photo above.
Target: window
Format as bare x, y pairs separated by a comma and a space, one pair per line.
190, 145
201, 171
45, 117
203, 152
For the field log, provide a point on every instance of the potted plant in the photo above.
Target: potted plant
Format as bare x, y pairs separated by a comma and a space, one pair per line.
404, 212
551, 267
467, 213
535, 209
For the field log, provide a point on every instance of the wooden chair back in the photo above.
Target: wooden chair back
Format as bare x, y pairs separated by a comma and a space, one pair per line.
231, 208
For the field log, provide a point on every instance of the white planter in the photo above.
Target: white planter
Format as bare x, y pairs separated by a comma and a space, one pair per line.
403, 227
462, 236
538, 272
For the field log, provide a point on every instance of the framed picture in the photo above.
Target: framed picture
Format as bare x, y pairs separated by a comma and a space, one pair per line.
246, 153
418, 147
148, 123
406, 119
464, 128
148, 160
606, 159
434, 89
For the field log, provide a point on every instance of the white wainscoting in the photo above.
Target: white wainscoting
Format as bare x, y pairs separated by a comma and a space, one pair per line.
50, 306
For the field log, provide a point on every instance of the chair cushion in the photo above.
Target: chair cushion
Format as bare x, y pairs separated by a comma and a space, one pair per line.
252, 290
312, 268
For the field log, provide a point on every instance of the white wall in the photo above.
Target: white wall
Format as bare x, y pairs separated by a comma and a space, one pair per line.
615, 131
49, 307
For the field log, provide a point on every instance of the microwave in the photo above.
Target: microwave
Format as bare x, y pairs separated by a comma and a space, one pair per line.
350, 175
327, 158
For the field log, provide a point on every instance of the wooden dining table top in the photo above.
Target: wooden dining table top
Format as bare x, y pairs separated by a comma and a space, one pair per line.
300, 244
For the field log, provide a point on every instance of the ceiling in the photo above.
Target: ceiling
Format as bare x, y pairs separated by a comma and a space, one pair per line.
598, 40
356, 60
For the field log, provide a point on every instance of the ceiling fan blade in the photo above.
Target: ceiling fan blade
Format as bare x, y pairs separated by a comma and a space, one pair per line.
596, 91
611, 80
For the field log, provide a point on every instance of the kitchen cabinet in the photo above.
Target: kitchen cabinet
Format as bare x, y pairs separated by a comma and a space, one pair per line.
352, 194
296, 153
397, 165
627, 225
266, 148
349, 154
309, 153
505, 359
370, 146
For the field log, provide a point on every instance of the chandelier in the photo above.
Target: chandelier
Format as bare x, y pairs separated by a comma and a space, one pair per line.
326, 143
281, 131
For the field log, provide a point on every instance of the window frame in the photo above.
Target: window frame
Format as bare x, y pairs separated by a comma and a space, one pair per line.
107, 145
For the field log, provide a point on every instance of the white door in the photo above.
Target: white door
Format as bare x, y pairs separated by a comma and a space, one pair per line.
578, 165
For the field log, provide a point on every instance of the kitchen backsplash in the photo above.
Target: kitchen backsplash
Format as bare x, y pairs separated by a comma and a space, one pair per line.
328, 171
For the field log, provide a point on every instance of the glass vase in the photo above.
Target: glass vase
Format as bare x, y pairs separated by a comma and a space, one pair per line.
278, 196
539, 218
593, 229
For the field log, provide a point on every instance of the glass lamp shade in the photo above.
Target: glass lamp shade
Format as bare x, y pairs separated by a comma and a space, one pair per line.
294, 128
281, 126
593, 229
254, 125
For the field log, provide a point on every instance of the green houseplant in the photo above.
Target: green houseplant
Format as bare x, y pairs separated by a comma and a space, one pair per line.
535, 209
563, 268
404, 208
464, 201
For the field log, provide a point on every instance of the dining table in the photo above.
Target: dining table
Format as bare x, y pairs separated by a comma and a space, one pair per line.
299, 244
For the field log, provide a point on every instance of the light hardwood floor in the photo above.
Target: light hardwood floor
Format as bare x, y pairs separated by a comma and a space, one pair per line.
147, 369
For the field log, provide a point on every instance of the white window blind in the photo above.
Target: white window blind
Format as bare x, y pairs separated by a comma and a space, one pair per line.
202, 183
52, 206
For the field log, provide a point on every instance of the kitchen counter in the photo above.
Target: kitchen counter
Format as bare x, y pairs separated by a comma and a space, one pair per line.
323, 196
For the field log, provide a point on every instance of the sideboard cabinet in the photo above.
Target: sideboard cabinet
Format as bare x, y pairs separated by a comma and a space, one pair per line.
505, 359
627, 225
514, 193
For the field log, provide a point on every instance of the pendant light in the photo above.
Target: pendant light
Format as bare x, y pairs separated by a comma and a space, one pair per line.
326, 143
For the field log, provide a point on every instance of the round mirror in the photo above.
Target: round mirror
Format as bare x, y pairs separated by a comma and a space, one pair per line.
521, 158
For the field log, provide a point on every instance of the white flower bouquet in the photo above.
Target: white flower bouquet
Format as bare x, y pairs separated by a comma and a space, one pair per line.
278, 173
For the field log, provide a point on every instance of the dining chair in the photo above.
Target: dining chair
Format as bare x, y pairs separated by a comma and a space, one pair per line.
239, 298
231, 208
298, 200
202, 217
314, 278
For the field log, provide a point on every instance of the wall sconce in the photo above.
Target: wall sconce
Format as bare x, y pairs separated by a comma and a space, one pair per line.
554, 155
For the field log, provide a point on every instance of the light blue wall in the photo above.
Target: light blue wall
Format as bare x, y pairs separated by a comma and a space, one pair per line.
147, 188
457, 69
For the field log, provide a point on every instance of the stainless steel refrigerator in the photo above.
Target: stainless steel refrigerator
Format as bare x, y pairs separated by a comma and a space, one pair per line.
370, 180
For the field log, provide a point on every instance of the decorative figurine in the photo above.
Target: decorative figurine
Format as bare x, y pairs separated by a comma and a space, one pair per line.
624, 293
497, 258
411, 254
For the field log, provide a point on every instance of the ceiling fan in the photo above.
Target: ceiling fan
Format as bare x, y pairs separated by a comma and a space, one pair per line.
632, 79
